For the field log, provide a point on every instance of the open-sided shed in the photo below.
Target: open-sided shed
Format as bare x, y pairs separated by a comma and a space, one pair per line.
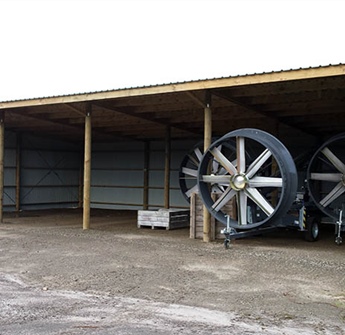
137, 137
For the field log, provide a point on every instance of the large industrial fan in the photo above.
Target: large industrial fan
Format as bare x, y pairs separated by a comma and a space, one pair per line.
256, 173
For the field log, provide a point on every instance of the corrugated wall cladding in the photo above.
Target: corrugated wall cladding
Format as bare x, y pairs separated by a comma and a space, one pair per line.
10, 172
51, 174
117, 175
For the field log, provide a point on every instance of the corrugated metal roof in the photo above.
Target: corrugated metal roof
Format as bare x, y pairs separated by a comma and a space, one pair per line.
171, 83
309, 100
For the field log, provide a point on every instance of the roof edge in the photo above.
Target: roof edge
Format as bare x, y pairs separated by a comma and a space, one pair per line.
240, 80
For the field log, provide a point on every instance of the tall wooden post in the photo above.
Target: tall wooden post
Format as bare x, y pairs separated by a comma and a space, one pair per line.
2, 154
274, 166
146, 175
18, 170
87, 170
207, 143
81, 185
167, 168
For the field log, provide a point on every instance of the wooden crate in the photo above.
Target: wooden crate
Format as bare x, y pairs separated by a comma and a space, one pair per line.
197, 218
163, 218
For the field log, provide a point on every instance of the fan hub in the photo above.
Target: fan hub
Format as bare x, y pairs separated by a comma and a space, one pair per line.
239, 182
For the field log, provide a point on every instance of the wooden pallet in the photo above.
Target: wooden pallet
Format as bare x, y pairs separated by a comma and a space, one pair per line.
197, 218
163, 218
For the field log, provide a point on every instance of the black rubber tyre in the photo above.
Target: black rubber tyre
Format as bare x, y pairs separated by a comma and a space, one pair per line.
312, 232
338, 240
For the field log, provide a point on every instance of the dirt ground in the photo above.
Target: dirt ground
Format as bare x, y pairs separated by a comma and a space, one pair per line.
56, 278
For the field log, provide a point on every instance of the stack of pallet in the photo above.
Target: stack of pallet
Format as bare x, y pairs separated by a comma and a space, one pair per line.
163, 218
197, 217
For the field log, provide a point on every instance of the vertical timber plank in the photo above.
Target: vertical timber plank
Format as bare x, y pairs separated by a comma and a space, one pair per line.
18, 170
81, 183
167, 168
192, 233
87, 170
146, 175
207, 143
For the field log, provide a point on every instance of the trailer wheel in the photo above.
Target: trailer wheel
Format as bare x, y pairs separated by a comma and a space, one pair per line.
257, 178
312, 229
338, 240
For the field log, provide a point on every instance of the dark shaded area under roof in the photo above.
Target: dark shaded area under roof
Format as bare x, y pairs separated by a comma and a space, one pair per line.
309, 101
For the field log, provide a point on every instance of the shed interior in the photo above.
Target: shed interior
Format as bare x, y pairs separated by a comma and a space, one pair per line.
44, 137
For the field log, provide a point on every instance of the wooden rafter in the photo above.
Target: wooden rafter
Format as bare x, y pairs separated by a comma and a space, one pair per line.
263, 112
255, 79
147, 116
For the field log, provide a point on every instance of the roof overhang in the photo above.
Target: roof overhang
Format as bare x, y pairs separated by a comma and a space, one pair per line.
310, 100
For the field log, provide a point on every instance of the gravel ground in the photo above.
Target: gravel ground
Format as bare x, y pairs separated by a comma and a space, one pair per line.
56, 278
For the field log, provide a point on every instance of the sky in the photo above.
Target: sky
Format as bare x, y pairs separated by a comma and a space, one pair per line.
58, 47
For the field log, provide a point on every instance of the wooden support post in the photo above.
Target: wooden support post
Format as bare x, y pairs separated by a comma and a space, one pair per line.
87, 170
18, 170
81, 183
167, 168
274, 167
2, 154
146, 175
207, 143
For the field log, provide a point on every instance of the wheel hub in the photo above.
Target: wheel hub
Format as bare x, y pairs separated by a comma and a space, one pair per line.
238, 182
343, 180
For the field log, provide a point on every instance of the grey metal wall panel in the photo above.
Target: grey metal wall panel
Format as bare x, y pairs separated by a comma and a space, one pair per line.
157, 145
50, 174
46, 195
174, 178
118, 160
10, 171
177, 200
157, 160
51, 171
121, 166
10, 157
49, 205
179, 150
119, 146
116, 207
117, 178
9, 176
156, 198
176, 159
9, 187
50, 159
49, 177
10, 197
116, 196
10, 139
156, 178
